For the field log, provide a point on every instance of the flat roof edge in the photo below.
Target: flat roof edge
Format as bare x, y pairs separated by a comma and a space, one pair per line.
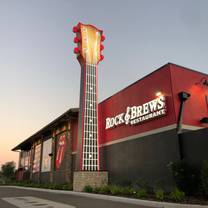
31, 138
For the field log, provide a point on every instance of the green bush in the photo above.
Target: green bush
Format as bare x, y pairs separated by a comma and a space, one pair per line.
186, 177
115, 190
141, 193
104, 190
67, 187
127, 191
204, 177
160, 194
2, 182
88, 189
59, 186
96, 190
177, 195
143, 184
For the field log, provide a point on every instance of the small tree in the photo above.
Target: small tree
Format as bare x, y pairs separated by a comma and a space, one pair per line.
8, 170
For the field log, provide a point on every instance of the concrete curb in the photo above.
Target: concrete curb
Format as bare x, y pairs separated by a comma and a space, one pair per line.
115, 198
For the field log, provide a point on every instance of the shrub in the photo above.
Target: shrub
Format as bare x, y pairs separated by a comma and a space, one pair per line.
160, 194
2, 182
51, 186
67, 187
35, 185
115, 190
127, 191
177, 195
142, 193
88, 189
59, 186
142, 184
104, 190
204, 177
96, 190
186, 177
44, 185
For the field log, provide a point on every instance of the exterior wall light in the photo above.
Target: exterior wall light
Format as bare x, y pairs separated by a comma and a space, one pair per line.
183, 96
158, 94
205, 82
204, 120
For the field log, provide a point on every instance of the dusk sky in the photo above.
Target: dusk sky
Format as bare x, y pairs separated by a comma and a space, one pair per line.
40, 75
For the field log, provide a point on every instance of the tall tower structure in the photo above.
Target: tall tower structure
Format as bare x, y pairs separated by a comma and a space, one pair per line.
88, 39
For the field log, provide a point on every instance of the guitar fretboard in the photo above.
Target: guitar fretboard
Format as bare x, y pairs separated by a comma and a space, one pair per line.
90, 138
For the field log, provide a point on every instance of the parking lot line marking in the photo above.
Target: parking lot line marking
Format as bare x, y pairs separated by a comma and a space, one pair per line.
34, 202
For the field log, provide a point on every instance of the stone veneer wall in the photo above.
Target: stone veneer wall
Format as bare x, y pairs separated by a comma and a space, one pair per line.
92, 178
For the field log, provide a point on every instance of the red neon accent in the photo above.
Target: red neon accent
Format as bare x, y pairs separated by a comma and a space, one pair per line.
101, 57
75, 29
76, 50
61, 150
101, 47
76, 40
102, 37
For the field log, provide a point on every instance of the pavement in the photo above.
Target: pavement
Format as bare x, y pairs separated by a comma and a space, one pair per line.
25, 197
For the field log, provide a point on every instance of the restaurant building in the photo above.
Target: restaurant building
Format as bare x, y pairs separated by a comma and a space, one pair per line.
159, 119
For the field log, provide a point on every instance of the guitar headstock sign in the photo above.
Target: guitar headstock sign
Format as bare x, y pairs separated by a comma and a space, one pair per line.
88, 39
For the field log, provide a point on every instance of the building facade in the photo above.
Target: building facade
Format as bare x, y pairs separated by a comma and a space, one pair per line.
159, 119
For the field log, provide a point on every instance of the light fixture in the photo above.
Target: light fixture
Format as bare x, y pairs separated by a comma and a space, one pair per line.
50, 154
205, 82
158, 94
204, 120
183, 96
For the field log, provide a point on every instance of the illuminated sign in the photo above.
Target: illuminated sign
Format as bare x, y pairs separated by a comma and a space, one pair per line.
139, 114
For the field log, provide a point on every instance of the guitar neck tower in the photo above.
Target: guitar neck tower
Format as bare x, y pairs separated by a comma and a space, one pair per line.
88, 50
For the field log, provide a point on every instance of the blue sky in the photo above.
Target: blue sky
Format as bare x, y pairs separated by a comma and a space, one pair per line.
40, 75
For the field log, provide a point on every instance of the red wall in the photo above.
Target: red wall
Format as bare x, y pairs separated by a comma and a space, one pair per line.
136, 94
170, 80
190, 81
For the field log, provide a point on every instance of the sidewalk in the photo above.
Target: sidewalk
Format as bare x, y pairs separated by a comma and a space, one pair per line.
116, 198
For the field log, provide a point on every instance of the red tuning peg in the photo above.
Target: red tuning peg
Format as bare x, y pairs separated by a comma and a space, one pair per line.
101, 47
76, 50
101, 57
102, 37
76, 40
75, 29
